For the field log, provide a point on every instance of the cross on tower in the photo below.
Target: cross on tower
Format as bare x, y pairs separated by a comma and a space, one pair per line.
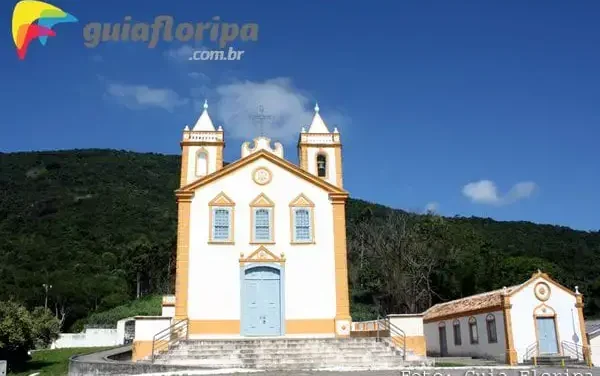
260, 118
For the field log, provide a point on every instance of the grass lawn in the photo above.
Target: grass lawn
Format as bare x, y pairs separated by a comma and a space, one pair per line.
53, 362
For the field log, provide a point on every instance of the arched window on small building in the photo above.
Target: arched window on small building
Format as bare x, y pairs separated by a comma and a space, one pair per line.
490, 322
456, 330
473, 333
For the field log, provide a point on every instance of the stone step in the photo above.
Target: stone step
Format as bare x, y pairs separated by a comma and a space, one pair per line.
245, 350
281, 354
254, 342
268, 357
310, 365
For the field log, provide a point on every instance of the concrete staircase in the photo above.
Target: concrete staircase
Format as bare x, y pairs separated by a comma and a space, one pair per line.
287, 354
555, 360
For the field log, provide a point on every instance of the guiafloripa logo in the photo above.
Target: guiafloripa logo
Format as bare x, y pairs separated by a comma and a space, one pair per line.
34, 19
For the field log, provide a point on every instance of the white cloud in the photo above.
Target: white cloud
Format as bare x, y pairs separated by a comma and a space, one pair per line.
141, 96
183, 53
486, 192
289, 107
432, 207
179, 54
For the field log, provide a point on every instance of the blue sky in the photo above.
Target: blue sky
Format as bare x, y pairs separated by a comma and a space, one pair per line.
484, 108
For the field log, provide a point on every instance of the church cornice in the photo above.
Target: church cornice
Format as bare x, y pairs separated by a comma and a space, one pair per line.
335, 192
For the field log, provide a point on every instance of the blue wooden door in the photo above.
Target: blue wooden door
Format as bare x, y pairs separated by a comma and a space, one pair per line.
261, 305
547, 335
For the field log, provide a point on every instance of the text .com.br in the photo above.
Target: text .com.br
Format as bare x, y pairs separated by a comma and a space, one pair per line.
229, 54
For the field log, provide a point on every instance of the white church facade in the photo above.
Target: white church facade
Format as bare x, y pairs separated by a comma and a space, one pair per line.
514, 325
261, 242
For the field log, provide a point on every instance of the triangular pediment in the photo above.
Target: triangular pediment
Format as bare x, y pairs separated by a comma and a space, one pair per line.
264, 155
221, 200
302, 200
262, 200
262, 254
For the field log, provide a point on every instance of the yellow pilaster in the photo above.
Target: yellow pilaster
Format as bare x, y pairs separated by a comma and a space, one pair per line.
342, 311
584, 340
511, 354
184, 201
185, 150
338, 167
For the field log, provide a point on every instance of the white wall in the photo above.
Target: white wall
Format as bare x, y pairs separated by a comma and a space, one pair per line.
214, 270
88, 338
523, 304
412, 325
595, 349
147, 326
168, 311
482, 349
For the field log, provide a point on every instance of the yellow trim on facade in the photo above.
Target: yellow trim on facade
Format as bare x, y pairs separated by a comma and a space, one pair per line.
262, 254
262, 201
233, 327
221, 200
511, 354
303, 157
270, 157
219, 159
255, 177
545, 276
339, 175
183, 256
214, 327
587, 356
140, 350
301, 201
416, 344
338, 204
310, 326
185, 150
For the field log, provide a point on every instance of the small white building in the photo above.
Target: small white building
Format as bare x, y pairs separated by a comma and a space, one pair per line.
515, 324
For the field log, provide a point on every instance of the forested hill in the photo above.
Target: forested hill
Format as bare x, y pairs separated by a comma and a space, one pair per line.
99, 224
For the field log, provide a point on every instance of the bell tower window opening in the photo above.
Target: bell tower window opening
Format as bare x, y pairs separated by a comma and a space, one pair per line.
321, 165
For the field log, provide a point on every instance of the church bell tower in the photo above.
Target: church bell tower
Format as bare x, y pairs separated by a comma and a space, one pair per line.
320, 151
201, 149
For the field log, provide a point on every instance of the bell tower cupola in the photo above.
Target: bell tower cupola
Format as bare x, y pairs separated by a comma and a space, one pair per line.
320, 151
201, 149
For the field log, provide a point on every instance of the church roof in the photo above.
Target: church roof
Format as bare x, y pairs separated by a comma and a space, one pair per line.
270, 157
204, 122
469, 304
318, 125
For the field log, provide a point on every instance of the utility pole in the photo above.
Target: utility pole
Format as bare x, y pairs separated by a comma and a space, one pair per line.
46, 287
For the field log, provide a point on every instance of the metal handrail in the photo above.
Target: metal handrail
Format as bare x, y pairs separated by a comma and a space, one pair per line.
532, 351
571, 348
166, 338
394, 333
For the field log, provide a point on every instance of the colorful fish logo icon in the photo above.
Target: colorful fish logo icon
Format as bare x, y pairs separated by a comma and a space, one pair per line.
34, 19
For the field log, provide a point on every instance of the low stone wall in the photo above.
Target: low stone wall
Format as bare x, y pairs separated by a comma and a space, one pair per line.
116, 362
88, 338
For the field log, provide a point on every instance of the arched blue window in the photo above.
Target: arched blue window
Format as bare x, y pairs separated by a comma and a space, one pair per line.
221, 224
302, 225
262, 224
